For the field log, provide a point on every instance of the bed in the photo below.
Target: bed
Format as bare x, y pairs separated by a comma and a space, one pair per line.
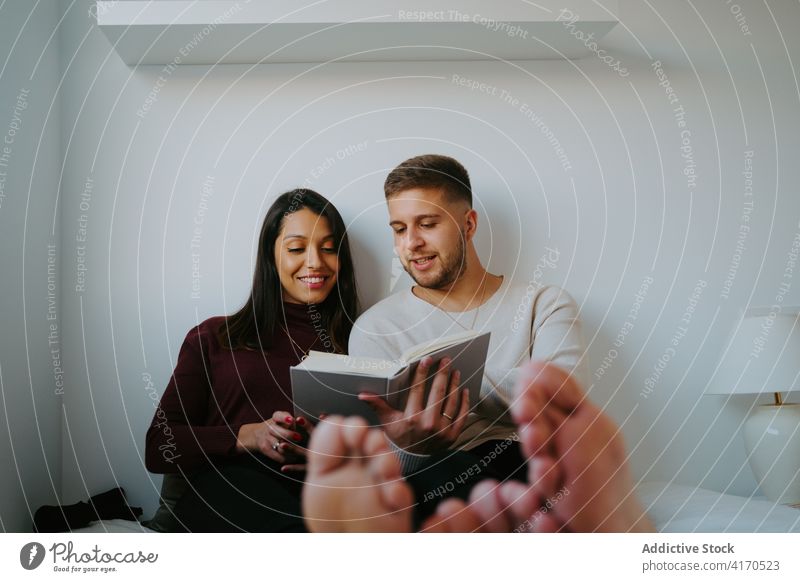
678, 508
673, 508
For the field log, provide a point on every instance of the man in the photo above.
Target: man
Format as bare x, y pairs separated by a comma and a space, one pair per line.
434, 224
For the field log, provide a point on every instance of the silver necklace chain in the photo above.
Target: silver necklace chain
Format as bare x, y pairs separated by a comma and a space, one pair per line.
477, 310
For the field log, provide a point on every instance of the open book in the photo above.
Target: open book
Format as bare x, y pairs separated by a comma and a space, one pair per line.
326, 383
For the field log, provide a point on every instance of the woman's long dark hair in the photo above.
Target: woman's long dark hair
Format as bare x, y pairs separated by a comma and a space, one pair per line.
253, 326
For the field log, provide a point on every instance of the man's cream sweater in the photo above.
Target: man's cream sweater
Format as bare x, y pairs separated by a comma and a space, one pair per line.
526, 322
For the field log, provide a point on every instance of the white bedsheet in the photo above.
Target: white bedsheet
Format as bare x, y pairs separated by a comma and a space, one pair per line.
678, 508
672, 507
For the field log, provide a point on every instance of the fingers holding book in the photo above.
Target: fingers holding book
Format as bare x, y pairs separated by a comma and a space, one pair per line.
455, 409
427, 425
447, 407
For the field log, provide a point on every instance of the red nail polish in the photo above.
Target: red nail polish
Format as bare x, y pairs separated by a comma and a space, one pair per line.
288, 419
301, 421
296, 436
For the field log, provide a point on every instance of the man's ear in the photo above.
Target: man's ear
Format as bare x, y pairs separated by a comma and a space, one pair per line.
470, 223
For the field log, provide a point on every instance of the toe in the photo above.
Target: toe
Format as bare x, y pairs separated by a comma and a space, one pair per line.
435, 524
529, 401
546, 523
383, 464
541, 385
535, 437
544, 476
375, 442
327, 448
396, 495
452, 516
521, 502
354, 432
487, 507
384, 467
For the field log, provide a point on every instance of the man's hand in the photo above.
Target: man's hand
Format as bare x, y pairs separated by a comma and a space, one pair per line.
425, 428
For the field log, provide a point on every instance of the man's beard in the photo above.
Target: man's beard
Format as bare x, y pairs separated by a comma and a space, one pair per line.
452, 267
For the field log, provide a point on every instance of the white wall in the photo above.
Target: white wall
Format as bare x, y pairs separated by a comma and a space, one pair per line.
30, 406
622, 210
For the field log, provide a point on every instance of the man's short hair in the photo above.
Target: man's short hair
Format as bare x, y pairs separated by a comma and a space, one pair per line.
431, 171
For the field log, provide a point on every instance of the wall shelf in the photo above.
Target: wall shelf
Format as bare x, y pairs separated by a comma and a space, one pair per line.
204, 32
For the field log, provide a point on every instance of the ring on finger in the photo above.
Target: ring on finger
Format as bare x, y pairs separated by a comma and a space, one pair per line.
276, 445
447, 416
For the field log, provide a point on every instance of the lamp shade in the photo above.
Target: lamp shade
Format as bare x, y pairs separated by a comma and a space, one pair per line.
762, 354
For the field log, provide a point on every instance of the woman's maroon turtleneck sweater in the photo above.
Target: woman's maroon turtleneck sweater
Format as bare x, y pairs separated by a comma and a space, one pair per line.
214, 391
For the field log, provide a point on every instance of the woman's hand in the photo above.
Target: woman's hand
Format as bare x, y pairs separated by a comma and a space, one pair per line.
425, 428
282, 438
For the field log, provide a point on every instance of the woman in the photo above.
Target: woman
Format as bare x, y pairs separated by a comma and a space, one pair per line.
225, 420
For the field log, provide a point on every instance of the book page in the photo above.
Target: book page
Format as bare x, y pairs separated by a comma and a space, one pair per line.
343, 364
419, 351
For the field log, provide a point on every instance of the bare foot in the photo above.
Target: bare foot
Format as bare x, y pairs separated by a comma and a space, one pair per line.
578, 459
578, 475
354, 482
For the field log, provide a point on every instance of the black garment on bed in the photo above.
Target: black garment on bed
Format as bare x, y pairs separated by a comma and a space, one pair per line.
61, 518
